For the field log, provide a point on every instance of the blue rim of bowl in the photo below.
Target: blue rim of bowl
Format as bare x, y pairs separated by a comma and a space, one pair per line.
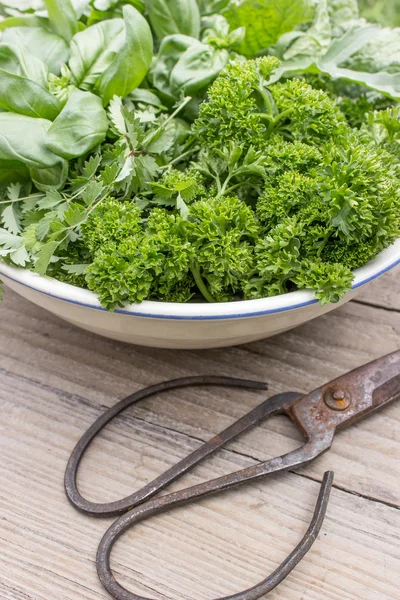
205, 317
240, 315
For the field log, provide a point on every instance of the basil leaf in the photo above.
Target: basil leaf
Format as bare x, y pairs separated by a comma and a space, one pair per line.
24, 84
212, 7
94, 49
197, 68
145, 97
174, 16
22, 139
12, 171
22, 5
63, 18
80, 7
52, 178
23, 96
171, 50
81, 125
51, 49
19, 61
22, 21
109, 9
131, 64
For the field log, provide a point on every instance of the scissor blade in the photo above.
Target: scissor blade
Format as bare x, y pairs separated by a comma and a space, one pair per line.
349, 398
387, 392
384, 374
379, 381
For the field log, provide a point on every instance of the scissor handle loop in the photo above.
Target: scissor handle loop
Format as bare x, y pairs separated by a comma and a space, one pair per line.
118, 507
165, 503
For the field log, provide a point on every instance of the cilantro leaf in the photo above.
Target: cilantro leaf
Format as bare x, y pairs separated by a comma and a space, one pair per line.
116, 116
74, 215
13, 247
44, 256
90, 167
11, 218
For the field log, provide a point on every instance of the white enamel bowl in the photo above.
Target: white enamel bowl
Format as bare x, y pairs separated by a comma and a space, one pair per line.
197, 325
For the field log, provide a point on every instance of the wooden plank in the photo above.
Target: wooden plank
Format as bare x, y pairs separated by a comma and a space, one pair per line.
217, 547
41, 348
385, 291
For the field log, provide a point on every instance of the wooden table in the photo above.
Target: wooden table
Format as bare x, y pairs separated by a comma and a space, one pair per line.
55, 380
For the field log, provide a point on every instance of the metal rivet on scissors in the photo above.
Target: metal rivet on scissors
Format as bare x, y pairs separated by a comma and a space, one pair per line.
318, 416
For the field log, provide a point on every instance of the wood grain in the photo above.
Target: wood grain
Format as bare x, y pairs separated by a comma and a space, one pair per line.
56, 379
385, 291
43, 349
214, 548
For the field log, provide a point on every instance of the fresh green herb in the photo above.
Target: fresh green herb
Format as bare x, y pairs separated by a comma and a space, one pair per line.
133, 261
168, 17
266, 20
196, 173
355, 51
93, 50
184, 65
119, 79
51, 49
62, 17
80, 126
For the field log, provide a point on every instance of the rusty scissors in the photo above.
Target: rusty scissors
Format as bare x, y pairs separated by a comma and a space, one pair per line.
318, 415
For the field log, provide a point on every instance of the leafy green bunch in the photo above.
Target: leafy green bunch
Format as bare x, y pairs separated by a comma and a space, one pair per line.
330, 195
143, 156
133, 261
166, 257
55, 80
43, 228
243, 108
286, 195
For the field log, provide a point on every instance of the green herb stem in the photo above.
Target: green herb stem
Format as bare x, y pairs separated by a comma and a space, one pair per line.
267, 99
179, 158
282, 115
157, 132
224, 187
200, 283
22, 199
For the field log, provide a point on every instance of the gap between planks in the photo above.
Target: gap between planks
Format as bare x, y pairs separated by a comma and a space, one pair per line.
355, 558
216, 546
377, 306
186, 436
71, 360
383, 292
